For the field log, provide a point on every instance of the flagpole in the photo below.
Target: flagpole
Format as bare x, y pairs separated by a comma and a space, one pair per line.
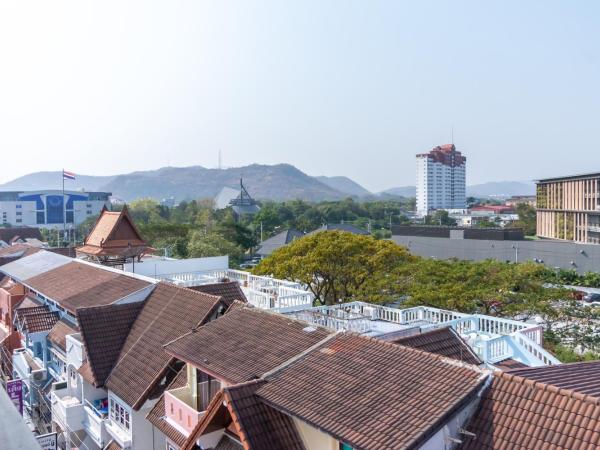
64, 206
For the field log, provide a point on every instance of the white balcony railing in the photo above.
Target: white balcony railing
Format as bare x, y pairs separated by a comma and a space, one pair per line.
94, 424
28, 367
67, 410
121, 436
261, 292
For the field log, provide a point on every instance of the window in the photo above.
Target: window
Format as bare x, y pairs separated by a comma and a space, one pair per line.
345, 446
39, 217
89, 205
119, 414
69, 217
89, 212
19, 220
19, 213
18, 206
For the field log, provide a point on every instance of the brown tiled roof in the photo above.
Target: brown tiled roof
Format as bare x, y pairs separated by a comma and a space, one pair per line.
245, 343
58, 333
8, 234
156, 416
104, 330
442, 341
168, 312
258, 426
77, 285
372, 394
112, 445
65, 251
517, 413
582, 377
15, 252
113, 234
509, 364
21, 312
39, 321
229, 291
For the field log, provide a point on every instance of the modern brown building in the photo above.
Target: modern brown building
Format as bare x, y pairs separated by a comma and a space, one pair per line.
568, 208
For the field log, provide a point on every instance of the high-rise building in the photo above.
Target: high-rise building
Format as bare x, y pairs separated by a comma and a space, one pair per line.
441, 179
568, 208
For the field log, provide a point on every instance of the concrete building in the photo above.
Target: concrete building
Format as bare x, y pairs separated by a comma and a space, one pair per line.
441, 179
49, 209
568, 208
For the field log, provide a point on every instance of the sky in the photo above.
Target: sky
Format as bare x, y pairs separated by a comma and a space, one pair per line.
352, 88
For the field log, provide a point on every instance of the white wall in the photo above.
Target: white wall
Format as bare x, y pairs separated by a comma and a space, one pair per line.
156, 267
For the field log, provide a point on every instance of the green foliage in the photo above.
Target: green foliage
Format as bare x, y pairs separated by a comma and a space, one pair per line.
212, 244
339, 266
527, 219
571, 277
440, 217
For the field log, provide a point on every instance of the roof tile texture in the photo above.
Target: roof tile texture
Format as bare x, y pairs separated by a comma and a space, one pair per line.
58, 333
229, 291
168, 312
355, 387
104, 330
245, 343
583, 377
516, 413
260, 426
76, 285
442, 341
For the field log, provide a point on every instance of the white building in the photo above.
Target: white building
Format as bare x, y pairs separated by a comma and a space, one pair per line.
441, 179
48, 209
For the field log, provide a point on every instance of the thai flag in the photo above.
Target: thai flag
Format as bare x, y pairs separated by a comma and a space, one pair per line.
68, 175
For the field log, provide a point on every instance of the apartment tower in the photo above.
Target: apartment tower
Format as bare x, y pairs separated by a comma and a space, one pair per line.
568, 208
441, 179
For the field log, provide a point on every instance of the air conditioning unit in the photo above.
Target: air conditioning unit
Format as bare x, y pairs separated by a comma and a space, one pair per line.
38, 375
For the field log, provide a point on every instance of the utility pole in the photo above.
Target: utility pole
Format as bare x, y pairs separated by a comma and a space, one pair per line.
261, 231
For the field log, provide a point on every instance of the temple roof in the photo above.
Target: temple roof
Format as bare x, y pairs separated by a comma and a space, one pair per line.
114, 234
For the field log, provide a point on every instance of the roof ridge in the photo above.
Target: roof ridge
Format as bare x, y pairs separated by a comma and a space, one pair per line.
549, 387
442, 358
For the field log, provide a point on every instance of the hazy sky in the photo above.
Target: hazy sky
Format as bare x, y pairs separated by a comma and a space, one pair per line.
352, 88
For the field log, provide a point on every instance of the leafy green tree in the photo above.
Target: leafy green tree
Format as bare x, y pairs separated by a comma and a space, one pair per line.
212, 244
440, 217
338, 266
527, 219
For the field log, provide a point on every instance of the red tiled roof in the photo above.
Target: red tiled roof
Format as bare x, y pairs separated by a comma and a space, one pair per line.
442, 341
156, 416
372, 394
104, 330
39, 321
77, 285
15, 252
245, 343
258, 426
58, 333
229, 291
168, 312
509, 364
9, 234
21, 312
114, 234
582, 377
517, 413
112, 445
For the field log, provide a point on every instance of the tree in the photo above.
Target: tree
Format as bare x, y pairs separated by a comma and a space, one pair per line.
440, 217
338, 266
212, 244
527, 219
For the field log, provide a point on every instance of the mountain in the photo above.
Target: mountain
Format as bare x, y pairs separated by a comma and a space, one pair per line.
345, 185
402, 191
501, 189
277, 182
